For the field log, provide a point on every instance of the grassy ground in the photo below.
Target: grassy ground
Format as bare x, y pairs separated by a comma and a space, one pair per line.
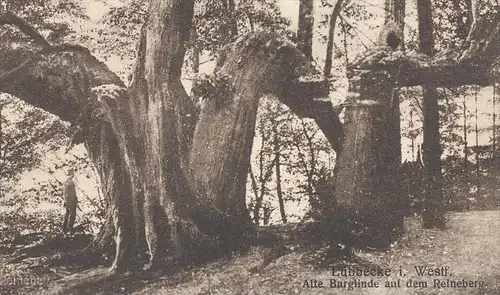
469, 249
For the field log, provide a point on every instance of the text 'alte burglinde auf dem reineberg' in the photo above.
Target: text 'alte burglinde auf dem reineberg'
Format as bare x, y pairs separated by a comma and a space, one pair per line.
352, 277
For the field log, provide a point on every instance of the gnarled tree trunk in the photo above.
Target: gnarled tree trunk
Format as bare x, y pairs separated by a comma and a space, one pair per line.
175, 181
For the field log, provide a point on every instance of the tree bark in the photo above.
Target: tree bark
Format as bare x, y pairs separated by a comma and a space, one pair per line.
240, 88
279, 191
395, 11
306, 27
173, 189
258, 201
494, 124
466, 140
179, 188
234, 23
367, 184
331, 36
478, 167
432, 215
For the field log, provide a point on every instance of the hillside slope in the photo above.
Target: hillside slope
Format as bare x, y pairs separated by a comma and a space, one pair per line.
469, 247
468, 250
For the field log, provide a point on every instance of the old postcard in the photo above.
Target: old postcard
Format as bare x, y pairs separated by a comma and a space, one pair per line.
249, 147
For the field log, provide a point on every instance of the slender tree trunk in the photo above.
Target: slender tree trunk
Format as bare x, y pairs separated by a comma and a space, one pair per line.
265, 173
255, 191
331, 36
466, 142
306, 27
279, 191
433, 215
395, 11
232, 29
312, 162
266, 215
463, 17
1, 150
412, 138
196, 57
478, 168
234, 23
494, 98
346, 51
258, 200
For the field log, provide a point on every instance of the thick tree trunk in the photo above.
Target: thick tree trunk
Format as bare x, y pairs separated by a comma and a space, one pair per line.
253, 66
178, 188
367, 185
174, 188
169, 117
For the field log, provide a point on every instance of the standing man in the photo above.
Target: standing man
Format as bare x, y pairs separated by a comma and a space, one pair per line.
70, 202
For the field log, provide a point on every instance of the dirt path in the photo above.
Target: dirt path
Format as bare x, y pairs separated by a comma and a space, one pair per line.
470, 248
477, 254
467, 251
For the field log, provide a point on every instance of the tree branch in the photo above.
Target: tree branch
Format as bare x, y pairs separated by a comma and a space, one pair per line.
324, 115
10, 18
305, 97
331, 36
8, 74
450, 68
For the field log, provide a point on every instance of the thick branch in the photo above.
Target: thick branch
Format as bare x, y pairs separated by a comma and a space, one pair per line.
420, 70
12, 19
296, 85
57, 79
325, 116
303, 97
70, 83
471, 65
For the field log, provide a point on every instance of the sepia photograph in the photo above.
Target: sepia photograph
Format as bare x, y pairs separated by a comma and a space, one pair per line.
253, 147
